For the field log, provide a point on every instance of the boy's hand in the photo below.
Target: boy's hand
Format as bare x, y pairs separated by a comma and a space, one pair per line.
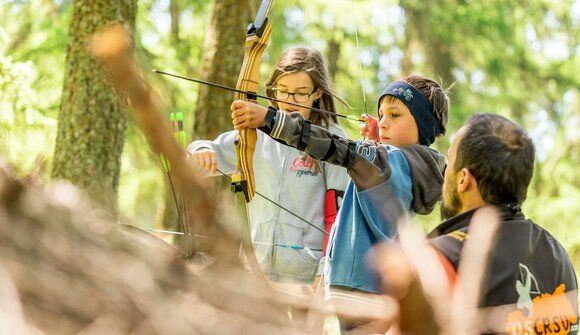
206, 159
247, 114
370, 129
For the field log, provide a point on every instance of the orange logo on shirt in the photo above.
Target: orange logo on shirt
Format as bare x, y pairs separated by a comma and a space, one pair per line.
547, 314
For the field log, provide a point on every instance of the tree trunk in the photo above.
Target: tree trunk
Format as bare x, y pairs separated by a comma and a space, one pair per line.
175, 12
223, 55
332, 56
92, 119
437, 46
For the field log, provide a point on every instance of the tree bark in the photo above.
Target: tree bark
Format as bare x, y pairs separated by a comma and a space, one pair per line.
332, 56
223, 55
175, 12
437, 47
92, 121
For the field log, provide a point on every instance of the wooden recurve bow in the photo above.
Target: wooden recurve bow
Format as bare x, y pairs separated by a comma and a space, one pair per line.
243, 181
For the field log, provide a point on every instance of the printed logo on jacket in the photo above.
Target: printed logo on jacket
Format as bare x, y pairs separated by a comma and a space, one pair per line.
540, 313
305, 166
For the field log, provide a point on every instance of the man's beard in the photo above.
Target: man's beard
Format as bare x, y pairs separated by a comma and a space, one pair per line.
449, 211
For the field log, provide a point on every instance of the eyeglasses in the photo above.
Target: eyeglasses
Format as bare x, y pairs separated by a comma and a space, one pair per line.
298, 96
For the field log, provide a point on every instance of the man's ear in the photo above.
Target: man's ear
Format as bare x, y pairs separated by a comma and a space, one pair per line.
465, 181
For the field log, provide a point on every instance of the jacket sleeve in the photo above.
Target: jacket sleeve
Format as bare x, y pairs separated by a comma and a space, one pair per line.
336, 179
321, 144
224, 148
426, 167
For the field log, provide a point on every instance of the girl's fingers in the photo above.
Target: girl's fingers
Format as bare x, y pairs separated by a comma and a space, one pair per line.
195, 157
205, 159
239, 116
198, 159
236, 104
246, 115
236, 113
244, 121
239, 124
212, 166
237, 121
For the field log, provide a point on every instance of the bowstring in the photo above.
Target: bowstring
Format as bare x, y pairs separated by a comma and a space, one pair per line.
360, 70
281, 207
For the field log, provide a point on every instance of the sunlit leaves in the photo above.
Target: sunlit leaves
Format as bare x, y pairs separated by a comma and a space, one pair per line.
516, 58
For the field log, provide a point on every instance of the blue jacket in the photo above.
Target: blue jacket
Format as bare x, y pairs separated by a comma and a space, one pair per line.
362, 222
387, 183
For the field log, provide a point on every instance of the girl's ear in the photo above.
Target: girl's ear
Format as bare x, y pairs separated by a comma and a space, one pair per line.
317, 94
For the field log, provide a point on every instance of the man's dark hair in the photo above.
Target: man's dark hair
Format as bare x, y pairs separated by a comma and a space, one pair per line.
500, 155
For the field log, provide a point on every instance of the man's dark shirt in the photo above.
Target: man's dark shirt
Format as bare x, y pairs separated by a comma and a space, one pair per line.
530, 286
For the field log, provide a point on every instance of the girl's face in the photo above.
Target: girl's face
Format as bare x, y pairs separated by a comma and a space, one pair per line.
298, 88
397, 125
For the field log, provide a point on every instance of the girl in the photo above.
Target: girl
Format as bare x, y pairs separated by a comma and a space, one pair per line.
288, 248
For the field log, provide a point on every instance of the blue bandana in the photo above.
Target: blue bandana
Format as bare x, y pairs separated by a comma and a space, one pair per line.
419, 106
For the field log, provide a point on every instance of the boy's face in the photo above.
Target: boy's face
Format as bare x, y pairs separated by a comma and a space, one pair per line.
397, 125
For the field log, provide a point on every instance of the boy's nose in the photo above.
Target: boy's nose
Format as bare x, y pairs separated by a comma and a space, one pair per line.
383, 123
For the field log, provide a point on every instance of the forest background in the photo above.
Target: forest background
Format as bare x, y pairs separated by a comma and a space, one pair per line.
515, 58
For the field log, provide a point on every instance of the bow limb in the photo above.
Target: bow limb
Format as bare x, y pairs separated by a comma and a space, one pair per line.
145, 236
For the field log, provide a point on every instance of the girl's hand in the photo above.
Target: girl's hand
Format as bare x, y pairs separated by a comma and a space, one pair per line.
206, 159
247, 114
370, 129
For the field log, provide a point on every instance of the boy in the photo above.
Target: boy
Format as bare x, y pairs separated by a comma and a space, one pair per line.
398, 176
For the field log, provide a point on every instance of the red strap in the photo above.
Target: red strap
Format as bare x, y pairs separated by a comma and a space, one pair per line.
449, 269
330, 210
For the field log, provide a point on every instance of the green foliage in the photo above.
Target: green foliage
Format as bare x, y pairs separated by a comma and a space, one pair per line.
23, 126
519, 59
142, 181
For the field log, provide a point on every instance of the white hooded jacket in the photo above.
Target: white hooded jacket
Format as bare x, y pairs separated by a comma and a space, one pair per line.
288, 249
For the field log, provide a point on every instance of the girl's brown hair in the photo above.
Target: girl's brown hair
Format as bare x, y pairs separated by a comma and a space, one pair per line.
312, 62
